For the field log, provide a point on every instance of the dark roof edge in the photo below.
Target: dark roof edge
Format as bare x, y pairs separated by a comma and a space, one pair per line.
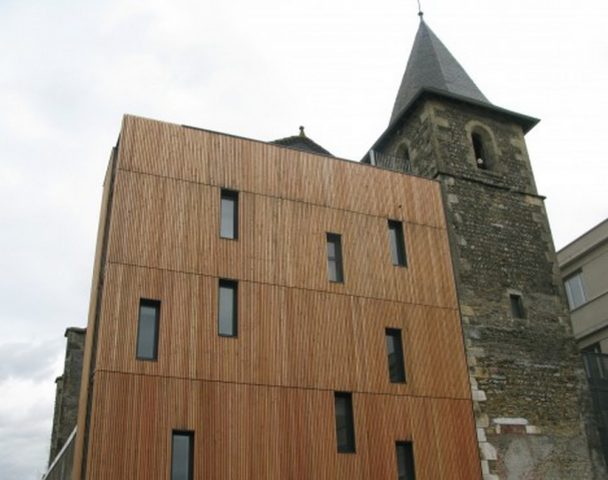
75, 330
580, 237
525, 121
289, 142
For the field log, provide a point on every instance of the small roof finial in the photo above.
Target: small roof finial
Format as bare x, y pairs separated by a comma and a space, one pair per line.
420, 12
302, 134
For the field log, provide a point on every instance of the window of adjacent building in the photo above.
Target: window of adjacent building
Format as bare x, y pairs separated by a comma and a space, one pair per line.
227, 308
575, 291
595, 367
593, 348
229, 221
345, 427
405, 461
147, 329
397, 243
334, 258
517, 306
394, 351
182, 455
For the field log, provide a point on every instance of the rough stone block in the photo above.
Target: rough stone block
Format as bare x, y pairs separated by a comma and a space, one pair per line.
482, 420
479, 395
488, 452
532, 430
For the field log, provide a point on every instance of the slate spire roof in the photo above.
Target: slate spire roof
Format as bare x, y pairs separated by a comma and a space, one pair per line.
432, 66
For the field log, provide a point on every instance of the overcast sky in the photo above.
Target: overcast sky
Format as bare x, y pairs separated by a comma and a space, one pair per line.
70, 69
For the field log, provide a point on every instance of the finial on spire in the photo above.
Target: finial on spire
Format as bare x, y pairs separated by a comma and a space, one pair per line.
420, 12
302, 134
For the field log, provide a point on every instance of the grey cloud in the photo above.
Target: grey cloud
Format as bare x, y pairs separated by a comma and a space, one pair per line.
22, 360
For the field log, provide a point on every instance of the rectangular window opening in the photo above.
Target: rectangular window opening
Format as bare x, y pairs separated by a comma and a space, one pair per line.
334, 258
405, 461
394, 351
182, 455
228, 308
397, 243
147, 329
575, 290
345, 427
229, 221
517, 306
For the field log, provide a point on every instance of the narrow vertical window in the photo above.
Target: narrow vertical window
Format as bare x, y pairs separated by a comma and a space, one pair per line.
182, 455
403, 157
147, 329
517, 306
397, 243
229, 221
405, 461
345, 426
480, 154
228, 308
394, 351
334, 258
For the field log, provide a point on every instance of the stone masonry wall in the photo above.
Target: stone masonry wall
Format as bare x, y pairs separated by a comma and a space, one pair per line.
531, 401
67, 391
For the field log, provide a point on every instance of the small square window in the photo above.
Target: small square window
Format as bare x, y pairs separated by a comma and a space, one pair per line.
229, 221
517, 306
147, 329
228, 308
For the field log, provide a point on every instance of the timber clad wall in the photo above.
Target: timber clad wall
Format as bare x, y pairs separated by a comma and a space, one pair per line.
262, 404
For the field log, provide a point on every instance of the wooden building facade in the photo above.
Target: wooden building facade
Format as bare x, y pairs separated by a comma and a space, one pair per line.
260, 400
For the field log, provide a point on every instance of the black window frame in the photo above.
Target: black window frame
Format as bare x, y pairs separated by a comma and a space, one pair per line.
190, 435
396, 368
225, 283
338, 259
407, 448
147, 302
397, 247
517, 305
349, 422
232, 195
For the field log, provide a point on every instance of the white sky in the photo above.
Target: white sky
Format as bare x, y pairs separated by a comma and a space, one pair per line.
69, 70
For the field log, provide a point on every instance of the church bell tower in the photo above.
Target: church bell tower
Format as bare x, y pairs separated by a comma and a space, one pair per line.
530, 397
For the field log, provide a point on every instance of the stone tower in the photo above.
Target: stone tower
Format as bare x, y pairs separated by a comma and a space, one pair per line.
530, 397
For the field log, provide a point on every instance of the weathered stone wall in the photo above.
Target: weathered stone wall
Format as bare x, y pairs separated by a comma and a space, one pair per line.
67, 391
531, 402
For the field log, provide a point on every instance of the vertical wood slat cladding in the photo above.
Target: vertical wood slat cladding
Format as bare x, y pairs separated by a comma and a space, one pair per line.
287, 336
210, 158
257, 432
174, 225
261, 404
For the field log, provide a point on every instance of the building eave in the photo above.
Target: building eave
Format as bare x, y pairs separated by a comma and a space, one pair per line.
524, 121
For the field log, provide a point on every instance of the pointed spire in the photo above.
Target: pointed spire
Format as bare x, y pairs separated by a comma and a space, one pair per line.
432, 66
